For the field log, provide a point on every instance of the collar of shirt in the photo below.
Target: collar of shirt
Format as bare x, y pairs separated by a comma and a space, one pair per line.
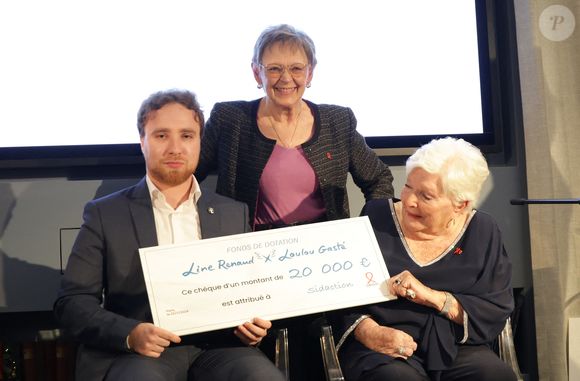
175, 225
157, 197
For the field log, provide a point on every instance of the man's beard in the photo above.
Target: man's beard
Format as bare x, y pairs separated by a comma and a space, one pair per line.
171, 177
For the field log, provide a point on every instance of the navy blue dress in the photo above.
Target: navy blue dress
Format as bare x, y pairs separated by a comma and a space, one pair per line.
475, 269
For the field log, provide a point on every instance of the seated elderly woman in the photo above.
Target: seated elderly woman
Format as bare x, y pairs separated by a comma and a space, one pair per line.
449, 269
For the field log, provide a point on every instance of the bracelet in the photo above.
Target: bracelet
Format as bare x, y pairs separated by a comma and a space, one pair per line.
350, 329
447, 305
127, 346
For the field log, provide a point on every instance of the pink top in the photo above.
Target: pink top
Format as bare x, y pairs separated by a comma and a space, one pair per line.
289, 190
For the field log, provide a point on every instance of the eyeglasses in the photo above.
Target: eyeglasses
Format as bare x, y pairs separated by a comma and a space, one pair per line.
275, 71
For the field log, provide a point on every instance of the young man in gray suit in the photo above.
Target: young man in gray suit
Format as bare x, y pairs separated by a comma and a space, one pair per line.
103, 299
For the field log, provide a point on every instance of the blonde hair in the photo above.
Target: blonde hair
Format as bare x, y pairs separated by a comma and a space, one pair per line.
461, 166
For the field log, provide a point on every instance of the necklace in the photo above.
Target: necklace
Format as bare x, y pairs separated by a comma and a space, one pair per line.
289, 144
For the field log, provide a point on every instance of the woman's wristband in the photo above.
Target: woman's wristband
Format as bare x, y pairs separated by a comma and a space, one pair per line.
447, 305
127, 346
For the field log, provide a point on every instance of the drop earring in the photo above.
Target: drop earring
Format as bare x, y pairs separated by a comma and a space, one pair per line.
259, 86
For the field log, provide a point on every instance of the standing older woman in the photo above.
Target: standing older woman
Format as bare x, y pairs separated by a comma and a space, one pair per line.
286, 157
449, 269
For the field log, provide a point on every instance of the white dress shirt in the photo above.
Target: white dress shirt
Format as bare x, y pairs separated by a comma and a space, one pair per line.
178, 225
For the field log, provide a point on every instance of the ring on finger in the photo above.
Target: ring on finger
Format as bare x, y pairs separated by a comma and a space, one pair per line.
401, 350
398, 281
410, 294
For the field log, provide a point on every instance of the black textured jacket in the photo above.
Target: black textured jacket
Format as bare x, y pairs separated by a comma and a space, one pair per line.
233, 145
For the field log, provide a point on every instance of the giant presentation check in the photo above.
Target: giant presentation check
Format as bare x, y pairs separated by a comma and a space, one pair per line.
222, 282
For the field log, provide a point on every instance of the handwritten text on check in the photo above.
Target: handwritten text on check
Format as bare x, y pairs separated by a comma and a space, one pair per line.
222, 282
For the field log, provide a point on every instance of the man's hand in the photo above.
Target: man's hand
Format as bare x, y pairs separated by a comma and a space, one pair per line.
252, 333
149, 340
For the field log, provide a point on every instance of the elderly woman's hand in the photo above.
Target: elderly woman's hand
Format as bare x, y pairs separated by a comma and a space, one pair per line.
389, 341
407, 286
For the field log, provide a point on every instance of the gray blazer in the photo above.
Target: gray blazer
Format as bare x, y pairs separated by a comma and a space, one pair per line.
103, 294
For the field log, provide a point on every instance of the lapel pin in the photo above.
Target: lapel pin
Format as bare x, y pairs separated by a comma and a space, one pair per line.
210, 210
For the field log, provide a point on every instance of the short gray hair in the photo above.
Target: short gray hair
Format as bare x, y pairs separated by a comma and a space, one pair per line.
461, 166
284, 34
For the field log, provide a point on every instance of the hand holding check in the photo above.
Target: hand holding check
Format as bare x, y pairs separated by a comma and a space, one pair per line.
221, 282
